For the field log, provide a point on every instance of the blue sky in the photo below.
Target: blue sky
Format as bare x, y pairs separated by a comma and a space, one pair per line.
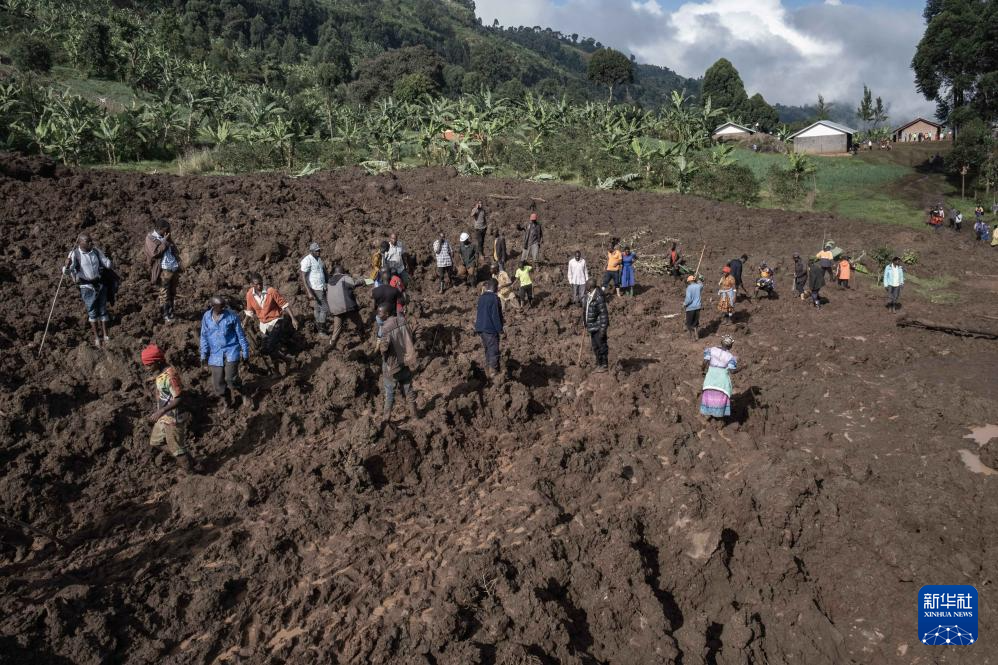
789, 50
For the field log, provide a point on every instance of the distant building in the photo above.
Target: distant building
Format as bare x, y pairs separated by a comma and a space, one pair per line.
823, 138
732, 131
919, 129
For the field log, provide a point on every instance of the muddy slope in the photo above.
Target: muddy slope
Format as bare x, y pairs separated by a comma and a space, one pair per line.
557, 517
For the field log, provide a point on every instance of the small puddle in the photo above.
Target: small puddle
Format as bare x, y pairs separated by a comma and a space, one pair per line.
975, 464
982, 434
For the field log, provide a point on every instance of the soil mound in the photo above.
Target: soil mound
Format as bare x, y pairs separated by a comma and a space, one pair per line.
551, 517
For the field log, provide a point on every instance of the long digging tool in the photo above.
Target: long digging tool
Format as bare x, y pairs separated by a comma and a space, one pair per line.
51, 312
35, 530
696, 273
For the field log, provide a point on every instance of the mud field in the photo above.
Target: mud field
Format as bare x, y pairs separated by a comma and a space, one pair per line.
554, 517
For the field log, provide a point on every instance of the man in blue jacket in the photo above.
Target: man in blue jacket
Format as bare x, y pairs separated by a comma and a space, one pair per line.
488, 324
223, 342
692, 305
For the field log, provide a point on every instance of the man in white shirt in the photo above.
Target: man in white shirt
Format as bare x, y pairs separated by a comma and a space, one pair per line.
87, 264
164, 266
313, 278
578, 275
395, 259
893, 281
444, 260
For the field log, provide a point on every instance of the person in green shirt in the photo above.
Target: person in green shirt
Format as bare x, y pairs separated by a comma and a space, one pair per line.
526, 293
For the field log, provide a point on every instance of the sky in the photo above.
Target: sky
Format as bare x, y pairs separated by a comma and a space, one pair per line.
789, 50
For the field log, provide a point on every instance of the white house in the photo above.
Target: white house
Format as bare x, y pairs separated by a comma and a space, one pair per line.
822, 138
732, 131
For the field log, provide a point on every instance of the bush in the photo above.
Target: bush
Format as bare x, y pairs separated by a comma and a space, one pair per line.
783, 186
734, 182
242, 157
32, 53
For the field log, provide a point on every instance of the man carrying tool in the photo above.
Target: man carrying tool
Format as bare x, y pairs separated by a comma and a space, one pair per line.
480, 226
532, 237
692, 304
167, 393
89, 268
269, 308
343, 304
596, 319
223, 343
164, 266
444, 260
893, 283
578, 275
489, 325
313, 279
469, 260
394, 345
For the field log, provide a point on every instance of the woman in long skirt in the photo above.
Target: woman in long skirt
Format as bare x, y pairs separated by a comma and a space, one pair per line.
627, 271
727, 294
720, 363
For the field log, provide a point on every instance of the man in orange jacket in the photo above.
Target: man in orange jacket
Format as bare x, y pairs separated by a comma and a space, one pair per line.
269, 308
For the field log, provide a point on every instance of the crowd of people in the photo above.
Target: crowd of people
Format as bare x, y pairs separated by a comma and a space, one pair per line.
268, 320
983, 231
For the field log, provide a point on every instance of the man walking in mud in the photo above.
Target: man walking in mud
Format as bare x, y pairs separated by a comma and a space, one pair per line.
313, 279
395, 346
737, 265
596, 319
272, 311
343, 304
489, 325
499, 253
395, 259
480, 227
692, 305
800, 276
164, 266
223, 343
532, 237
469, 260
444, 260
578, 275
893, 283
89, 268
167, 393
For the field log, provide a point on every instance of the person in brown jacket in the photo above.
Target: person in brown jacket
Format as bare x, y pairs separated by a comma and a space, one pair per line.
393, 342
164, 266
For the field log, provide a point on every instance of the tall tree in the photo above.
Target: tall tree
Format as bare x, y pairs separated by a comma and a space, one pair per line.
610, 68
879, 113
822, 110
723, 85
865, 109
761, 113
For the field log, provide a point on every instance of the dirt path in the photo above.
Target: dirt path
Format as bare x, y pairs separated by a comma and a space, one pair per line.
557, 517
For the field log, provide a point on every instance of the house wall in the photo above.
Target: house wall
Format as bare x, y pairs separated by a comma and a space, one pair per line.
820, 145
818, 130
731, 131
913, 130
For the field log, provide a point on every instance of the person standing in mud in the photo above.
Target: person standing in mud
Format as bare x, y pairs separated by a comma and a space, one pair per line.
614, 260
596, 319
578, 275
167, 392
692, 304
164, 266
720, 364
269, 308
394, 344
481, 227
313, 279
800, 276
674, 261
444, 260
469, 260
526, 282
88, 266
223, 343
386, 294
342, 303
816, 282
506, 294
499, 253
893, 283
737, 266
489, 325
377, 256
728, 293
395, 258
532, 237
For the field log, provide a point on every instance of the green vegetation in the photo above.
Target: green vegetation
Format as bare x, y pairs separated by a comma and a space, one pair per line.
937, 290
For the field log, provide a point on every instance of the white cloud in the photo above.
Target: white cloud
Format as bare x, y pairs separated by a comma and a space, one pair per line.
789, 55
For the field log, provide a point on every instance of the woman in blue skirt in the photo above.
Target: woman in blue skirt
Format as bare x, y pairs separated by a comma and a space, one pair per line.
627, 271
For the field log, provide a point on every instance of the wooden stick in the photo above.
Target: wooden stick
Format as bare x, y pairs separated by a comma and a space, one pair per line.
33, 529
697, 271
582, 339
51, 312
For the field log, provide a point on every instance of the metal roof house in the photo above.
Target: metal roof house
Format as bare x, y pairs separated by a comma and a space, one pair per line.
919, 129
823, 138
732, 130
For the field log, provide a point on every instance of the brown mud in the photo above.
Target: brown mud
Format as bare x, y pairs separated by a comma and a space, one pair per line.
553, 517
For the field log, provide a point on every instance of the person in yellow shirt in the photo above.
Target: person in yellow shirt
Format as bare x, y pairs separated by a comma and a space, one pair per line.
614, 262
522, 276
826, 259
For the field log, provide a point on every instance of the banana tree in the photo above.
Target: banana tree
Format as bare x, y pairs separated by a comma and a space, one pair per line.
109, 132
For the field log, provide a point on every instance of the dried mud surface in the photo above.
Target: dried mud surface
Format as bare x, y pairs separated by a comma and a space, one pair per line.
558, 517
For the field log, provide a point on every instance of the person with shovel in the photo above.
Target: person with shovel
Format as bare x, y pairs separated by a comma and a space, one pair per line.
90, 268
167, 393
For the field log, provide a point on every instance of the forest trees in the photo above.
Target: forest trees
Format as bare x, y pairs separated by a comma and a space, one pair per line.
610, 68
723, 86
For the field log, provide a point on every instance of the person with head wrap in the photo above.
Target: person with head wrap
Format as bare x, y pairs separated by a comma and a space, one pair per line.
167, 393
720, 364
727, 290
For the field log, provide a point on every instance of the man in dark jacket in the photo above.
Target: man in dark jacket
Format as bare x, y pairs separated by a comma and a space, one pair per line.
499, 253
488, 324
481, 227
394, 344
469, 259
736, 272
532, 237
342, 303
386, 293
800, 276
815, 282
164, 266
596, 319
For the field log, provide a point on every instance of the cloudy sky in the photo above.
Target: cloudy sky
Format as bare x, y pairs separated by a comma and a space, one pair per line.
789, 50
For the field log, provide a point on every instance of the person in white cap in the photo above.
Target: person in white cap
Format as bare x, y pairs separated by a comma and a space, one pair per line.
469, 259
313, 278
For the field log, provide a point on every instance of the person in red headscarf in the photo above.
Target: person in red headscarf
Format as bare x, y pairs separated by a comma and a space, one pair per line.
726, 290
167, 426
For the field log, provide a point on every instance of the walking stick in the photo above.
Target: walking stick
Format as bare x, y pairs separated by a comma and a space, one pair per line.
582, 339
697, 271
51, 312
